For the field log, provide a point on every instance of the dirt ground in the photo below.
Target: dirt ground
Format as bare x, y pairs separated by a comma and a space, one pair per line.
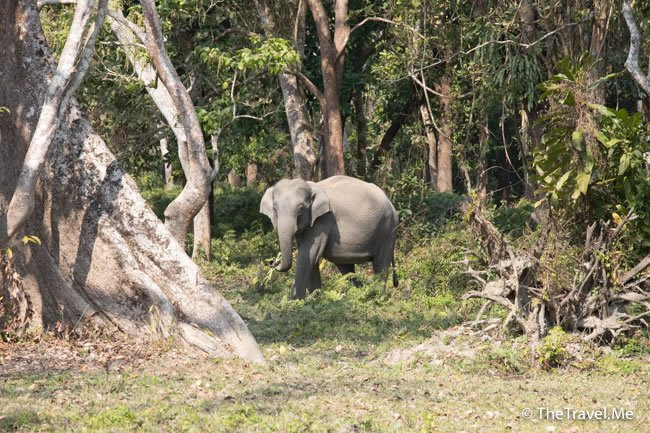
444, 384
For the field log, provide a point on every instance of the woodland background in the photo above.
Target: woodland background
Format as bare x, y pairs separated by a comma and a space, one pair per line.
512, 138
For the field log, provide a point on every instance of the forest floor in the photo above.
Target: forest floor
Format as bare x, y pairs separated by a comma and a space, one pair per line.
347, 359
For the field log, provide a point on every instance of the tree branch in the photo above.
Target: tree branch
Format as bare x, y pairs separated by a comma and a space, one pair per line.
182, 210
632, 62
309, 85
635, 270
42, 3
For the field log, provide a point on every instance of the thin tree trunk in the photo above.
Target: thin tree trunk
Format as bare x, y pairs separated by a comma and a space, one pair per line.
482, 180
597, 46
251, 175
432, 146
445, 175
527, 142
105, 258
168, 180
233, 179
202, 238
361, 123
395, 126
128, 34
182, 210
295, 104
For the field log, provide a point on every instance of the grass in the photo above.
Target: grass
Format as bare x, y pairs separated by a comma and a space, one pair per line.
329, 367
308, 389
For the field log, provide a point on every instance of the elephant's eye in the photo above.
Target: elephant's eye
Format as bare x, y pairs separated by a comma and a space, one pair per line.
301, 209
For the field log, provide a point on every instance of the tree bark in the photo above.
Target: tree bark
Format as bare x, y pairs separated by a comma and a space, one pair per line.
632, 61
445, 175
168, 180
527, 141
233, 179
432, 146
597, 46
129, 35
332, 60
295, 105
73, 63
202, 241
251, 174
482, 178
105, 257
361, 123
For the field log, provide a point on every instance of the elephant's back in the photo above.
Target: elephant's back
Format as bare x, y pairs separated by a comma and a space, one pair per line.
359, 205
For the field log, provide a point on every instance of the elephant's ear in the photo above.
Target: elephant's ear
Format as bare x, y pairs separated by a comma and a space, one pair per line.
320, 204
266, 206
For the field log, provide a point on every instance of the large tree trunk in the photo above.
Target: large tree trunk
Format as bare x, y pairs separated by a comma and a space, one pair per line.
105, 257
444, 141
74, 61
295, 105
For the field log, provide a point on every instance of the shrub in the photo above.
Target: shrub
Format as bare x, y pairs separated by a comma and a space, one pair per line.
237, 209
552, 352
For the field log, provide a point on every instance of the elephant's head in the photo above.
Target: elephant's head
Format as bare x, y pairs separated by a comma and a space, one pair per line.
293, 206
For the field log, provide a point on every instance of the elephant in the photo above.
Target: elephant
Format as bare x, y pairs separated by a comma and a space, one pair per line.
342, 219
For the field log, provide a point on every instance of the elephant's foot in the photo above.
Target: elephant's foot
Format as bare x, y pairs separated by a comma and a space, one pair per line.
297, 293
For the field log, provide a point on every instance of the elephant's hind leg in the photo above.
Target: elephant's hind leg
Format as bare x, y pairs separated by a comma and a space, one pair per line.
381, 263
348, 269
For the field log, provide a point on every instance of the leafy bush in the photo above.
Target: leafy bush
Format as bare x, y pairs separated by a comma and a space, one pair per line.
592, 159
422, 211
552, 352
513, 219
237, 210
159, 198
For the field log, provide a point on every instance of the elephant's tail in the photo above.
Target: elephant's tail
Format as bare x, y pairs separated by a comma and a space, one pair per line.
395, 282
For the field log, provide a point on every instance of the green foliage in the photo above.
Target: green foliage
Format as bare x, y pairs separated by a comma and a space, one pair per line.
159, 198
552, 352
237, 210
20, 420
420, 209
513, 219
634, 345
591, 154
270, 54
624, 173
565, 161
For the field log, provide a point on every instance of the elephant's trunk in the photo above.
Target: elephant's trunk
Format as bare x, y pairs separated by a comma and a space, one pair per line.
285, 234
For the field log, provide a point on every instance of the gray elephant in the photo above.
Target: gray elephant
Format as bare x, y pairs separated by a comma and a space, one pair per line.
343, 219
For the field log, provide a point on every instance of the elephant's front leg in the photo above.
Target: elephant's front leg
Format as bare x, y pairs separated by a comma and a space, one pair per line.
310, 251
